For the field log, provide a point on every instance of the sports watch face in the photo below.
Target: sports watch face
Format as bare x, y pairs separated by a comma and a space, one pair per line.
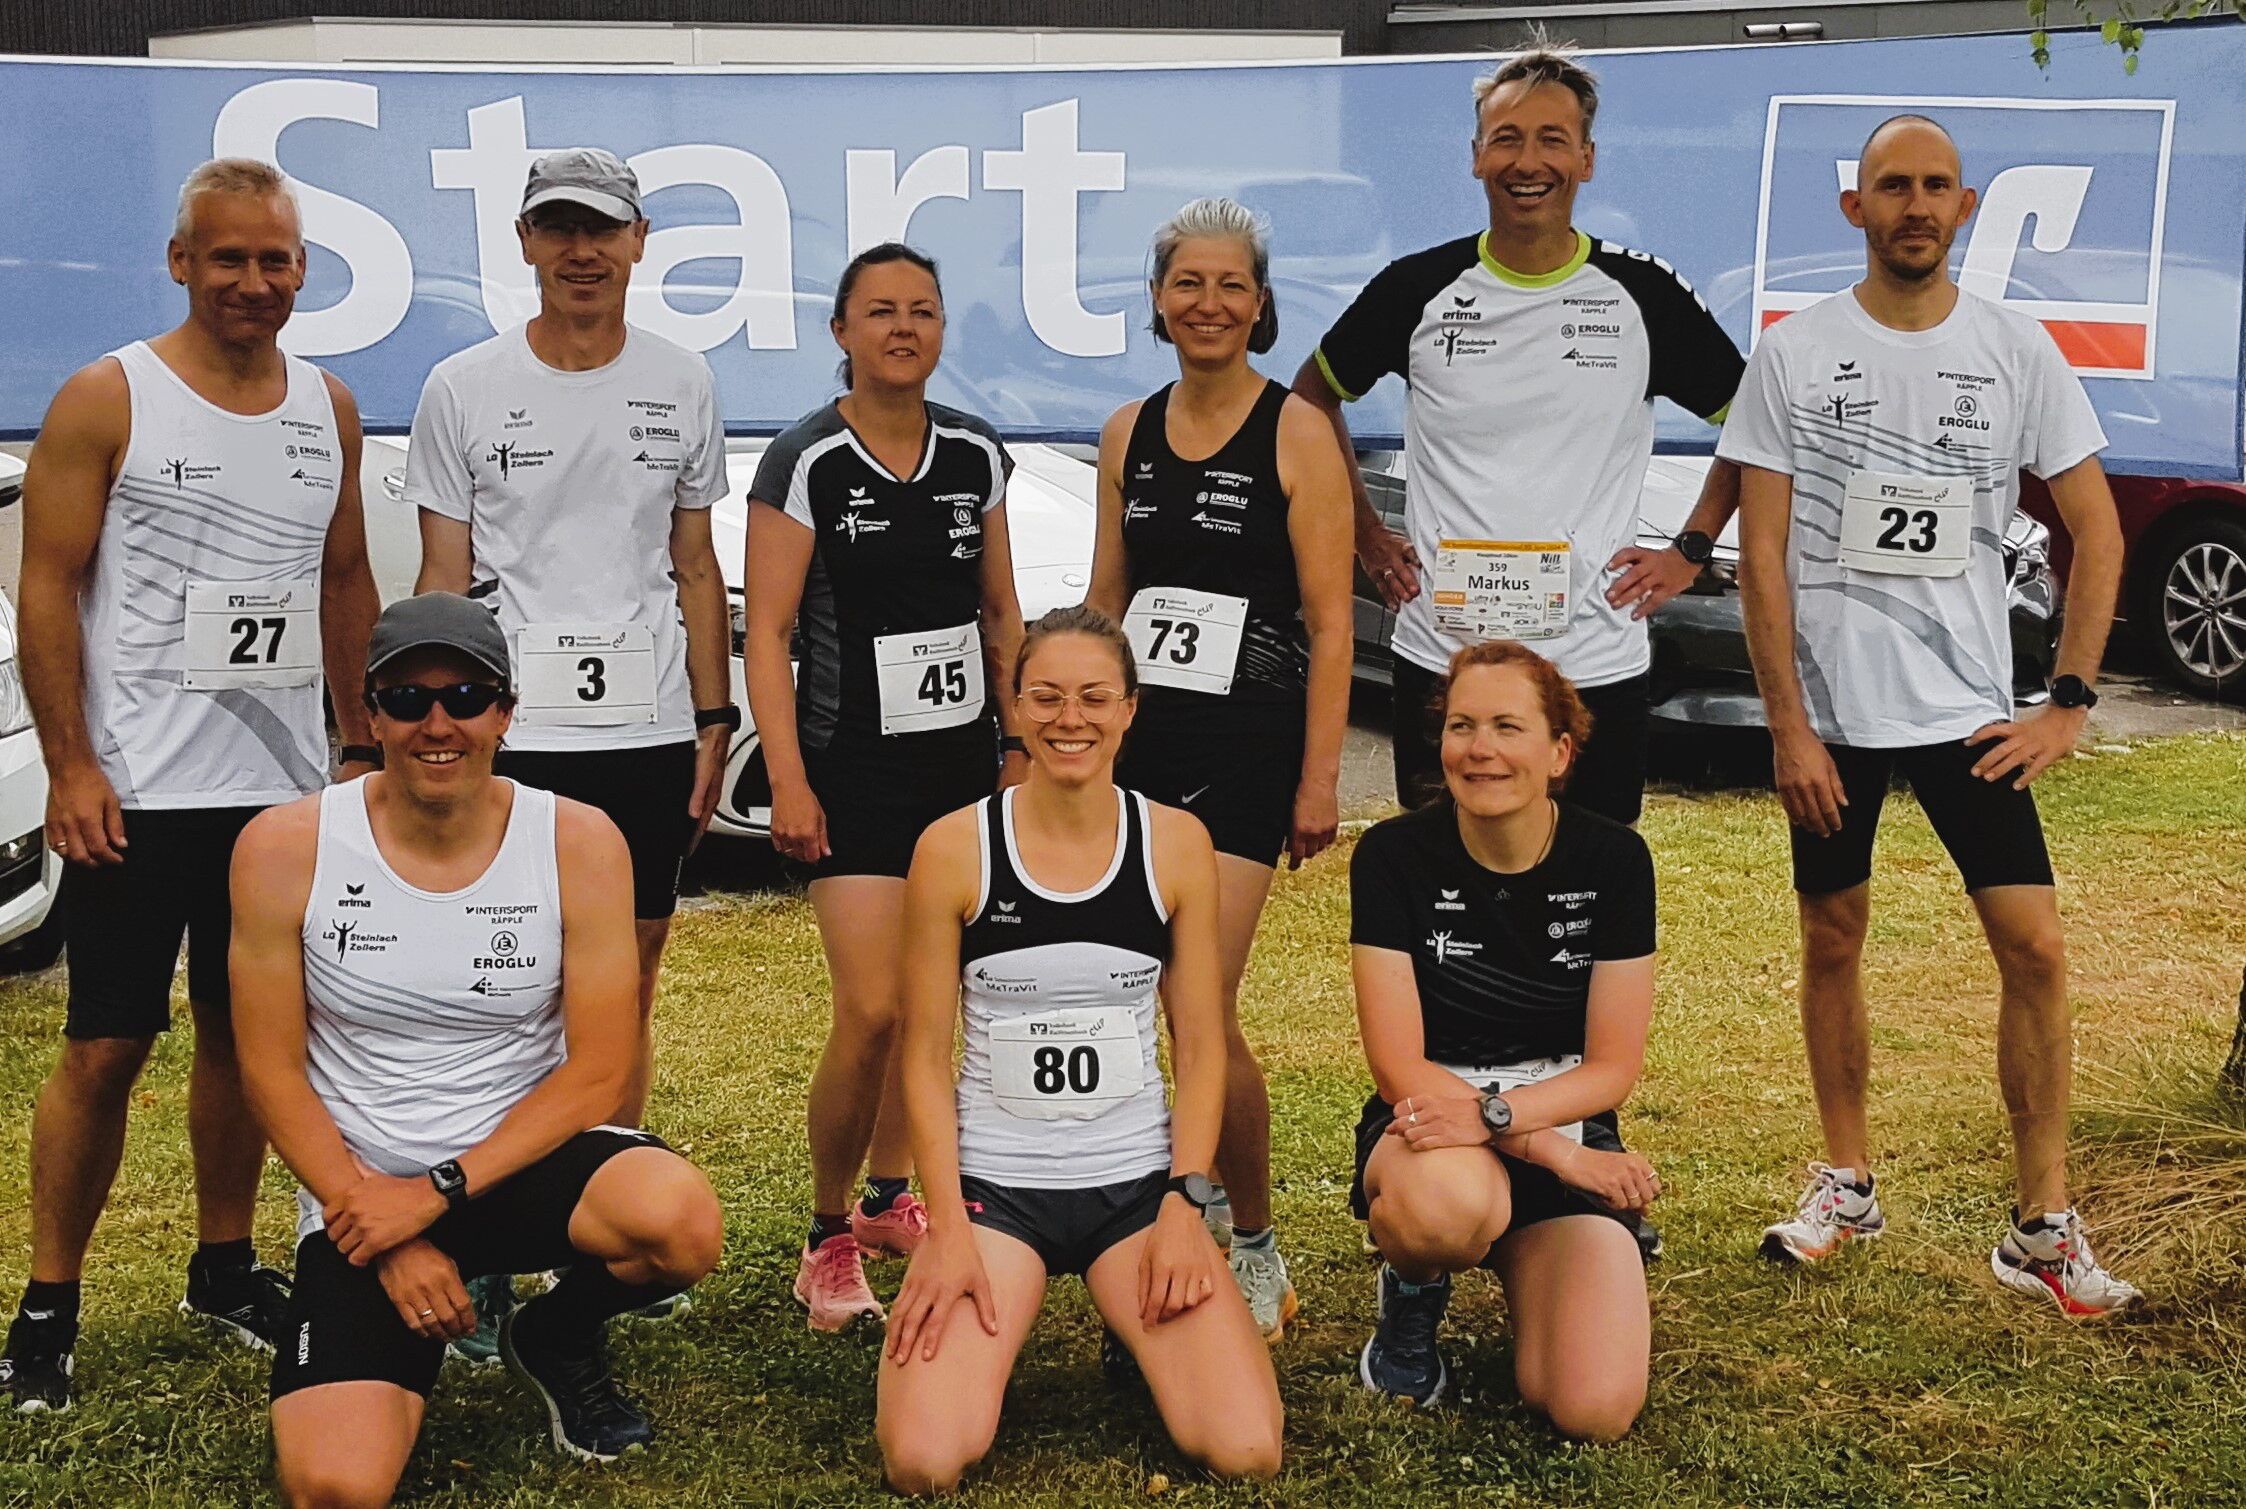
1695, 547
1198, 1191
1496, 1114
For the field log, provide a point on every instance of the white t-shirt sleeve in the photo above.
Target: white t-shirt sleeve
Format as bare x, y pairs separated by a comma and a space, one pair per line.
437, 476
2061, 428
1759, 431
701, 480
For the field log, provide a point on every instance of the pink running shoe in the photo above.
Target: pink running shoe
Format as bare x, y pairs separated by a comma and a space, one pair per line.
893, 1233
831, 1284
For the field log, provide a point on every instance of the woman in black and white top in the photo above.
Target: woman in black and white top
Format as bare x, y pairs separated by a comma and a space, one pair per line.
1057, 918
1503, 954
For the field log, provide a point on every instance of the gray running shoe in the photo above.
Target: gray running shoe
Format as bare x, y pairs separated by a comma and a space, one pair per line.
1261, 1274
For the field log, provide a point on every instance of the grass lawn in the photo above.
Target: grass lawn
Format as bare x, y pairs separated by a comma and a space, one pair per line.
1902, 1374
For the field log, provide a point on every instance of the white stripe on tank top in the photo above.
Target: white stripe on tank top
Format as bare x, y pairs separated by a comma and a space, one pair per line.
428, 1016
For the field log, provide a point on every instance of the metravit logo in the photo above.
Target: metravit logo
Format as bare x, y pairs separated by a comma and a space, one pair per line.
2072, 217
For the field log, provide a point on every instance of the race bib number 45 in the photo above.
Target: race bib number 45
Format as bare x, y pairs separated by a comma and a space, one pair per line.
1501, 589
586, 673
252, 634
1069, 1065
932, 679
1906, 526
1185, 638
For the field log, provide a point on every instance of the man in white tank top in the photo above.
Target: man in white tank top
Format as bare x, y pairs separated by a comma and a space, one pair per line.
193, 557
435, 982
564, 471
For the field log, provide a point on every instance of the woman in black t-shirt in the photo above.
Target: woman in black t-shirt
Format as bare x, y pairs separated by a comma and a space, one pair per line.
1503, 955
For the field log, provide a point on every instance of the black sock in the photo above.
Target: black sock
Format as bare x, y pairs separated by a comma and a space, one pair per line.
589, 1296
50, 1302
881, 1194
826, 1228
222, 1257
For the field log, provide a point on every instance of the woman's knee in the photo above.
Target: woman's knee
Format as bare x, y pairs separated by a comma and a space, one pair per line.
1433, 1222
1236, 1447
920, 1460
1591, 1409
327, 1483
665, 1212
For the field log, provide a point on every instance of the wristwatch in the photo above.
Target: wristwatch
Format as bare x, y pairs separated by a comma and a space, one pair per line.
1496, 1114
451, 1183
1695, 547
1198, 1191
727, 716
2072, 691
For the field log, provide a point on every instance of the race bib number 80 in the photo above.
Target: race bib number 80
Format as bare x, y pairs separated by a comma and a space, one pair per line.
252, 634
1070, 1065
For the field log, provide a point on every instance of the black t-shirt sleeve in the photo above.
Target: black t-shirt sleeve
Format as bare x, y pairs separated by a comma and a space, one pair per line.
1693, 362
1373, 337
1625, 926
1379, 915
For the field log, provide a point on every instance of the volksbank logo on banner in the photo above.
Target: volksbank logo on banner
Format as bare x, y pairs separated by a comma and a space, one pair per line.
2070, 227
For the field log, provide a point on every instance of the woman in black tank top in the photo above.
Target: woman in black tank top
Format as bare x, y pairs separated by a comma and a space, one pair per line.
1224, 550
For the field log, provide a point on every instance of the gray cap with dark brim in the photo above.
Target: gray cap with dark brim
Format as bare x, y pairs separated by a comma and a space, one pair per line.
439, 620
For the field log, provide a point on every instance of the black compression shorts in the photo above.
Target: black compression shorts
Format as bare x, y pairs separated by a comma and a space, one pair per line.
644, 792
1233, 764
1992, 831
1068, 1228
880, 793
342, 1327
122, 924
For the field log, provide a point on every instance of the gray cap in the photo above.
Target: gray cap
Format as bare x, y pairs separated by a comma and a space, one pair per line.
584, 175
439, 620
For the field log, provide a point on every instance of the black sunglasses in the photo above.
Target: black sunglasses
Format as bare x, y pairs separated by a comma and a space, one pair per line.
410, 703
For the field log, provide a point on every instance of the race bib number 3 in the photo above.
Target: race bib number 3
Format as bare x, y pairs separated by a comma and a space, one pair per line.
586, 673
1501, 589
932, 679
1066, 1065
1510, 1077
1186, 639
1906, 526
252, 634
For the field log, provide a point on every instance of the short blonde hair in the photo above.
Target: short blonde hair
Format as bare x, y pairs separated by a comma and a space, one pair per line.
231, 175
1545, 63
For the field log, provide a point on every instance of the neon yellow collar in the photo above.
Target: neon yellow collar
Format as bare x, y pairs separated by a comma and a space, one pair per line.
1558, 274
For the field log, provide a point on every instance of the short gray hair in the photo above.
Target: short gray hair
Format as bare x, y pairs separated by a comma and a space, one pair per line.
232, 175
1546, 63
1215, 217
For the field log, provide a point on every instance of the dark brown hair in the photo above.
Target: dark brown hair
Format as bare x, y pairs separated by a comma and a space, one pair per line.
875, 256
1564, 712
1081, 618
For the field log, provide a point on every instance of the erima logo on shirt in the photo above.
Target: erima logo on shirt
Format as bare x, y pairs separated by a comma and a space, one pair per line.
1448, 948
854, 524
1005, 913
354, 896
1146, 470
1462, 309
1447, 901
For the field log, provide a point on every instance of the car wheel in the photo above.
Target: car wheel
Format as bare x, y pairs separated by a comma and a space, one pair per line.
37, 949
2192, 606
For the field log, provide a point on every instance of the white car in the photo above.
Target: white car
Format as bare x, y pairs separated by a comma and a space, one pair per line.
30, 928
1050, 506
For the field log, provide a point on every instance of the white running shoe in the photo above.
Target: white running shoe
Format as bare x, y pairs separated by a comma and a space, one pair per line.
1217, 1216
2051, 1259
1831, 1212
1261, 1274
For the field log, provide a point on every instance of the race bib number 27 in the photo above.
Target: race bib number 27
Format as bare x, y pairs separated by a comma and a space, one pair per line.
252, 634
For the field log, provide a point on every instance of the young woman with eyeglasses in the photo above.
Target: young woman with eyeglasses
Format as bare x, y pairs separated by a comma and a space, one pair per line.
1056, 920
877, 538
1224, 551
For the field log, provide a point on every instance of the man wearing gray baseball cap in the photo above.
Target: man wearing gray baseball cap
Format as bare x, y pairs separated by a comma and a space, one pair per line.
564, 472
434, 984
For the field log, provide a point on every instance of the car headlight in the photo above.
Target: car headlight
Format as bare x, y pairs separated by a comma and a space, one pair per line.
15, 708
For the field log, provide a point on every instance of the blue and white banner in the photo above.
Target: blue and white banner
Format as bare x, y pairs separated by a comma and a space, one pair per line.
2114, 207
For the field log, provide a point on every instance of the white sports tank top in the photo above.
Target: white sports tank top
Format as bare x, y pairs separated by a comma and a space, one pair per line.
200, 620
427, 1015
1059, 1087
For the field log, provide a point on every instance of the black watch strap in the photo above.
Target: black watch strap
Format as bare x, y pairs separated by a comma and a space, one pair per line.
1695, 547
728, 716
1198, 1191
360, 754
2072, 691
450, 1182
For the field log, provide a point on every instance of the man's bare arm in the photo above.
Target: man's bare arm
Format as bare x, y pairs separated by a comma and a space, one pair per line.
348, 603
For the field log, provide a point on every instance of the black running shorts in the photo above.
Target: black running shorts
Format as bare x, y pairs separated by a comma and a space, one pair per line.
643, 791
1992, 831
880, 793
1235, 764
342, 1327
1068, 1228
122, 924
1609, 777
1538, 1193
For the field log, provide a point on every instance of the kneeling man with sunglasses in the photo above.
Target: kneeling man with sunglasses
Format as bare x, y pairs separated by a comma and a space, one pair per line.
435, 990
